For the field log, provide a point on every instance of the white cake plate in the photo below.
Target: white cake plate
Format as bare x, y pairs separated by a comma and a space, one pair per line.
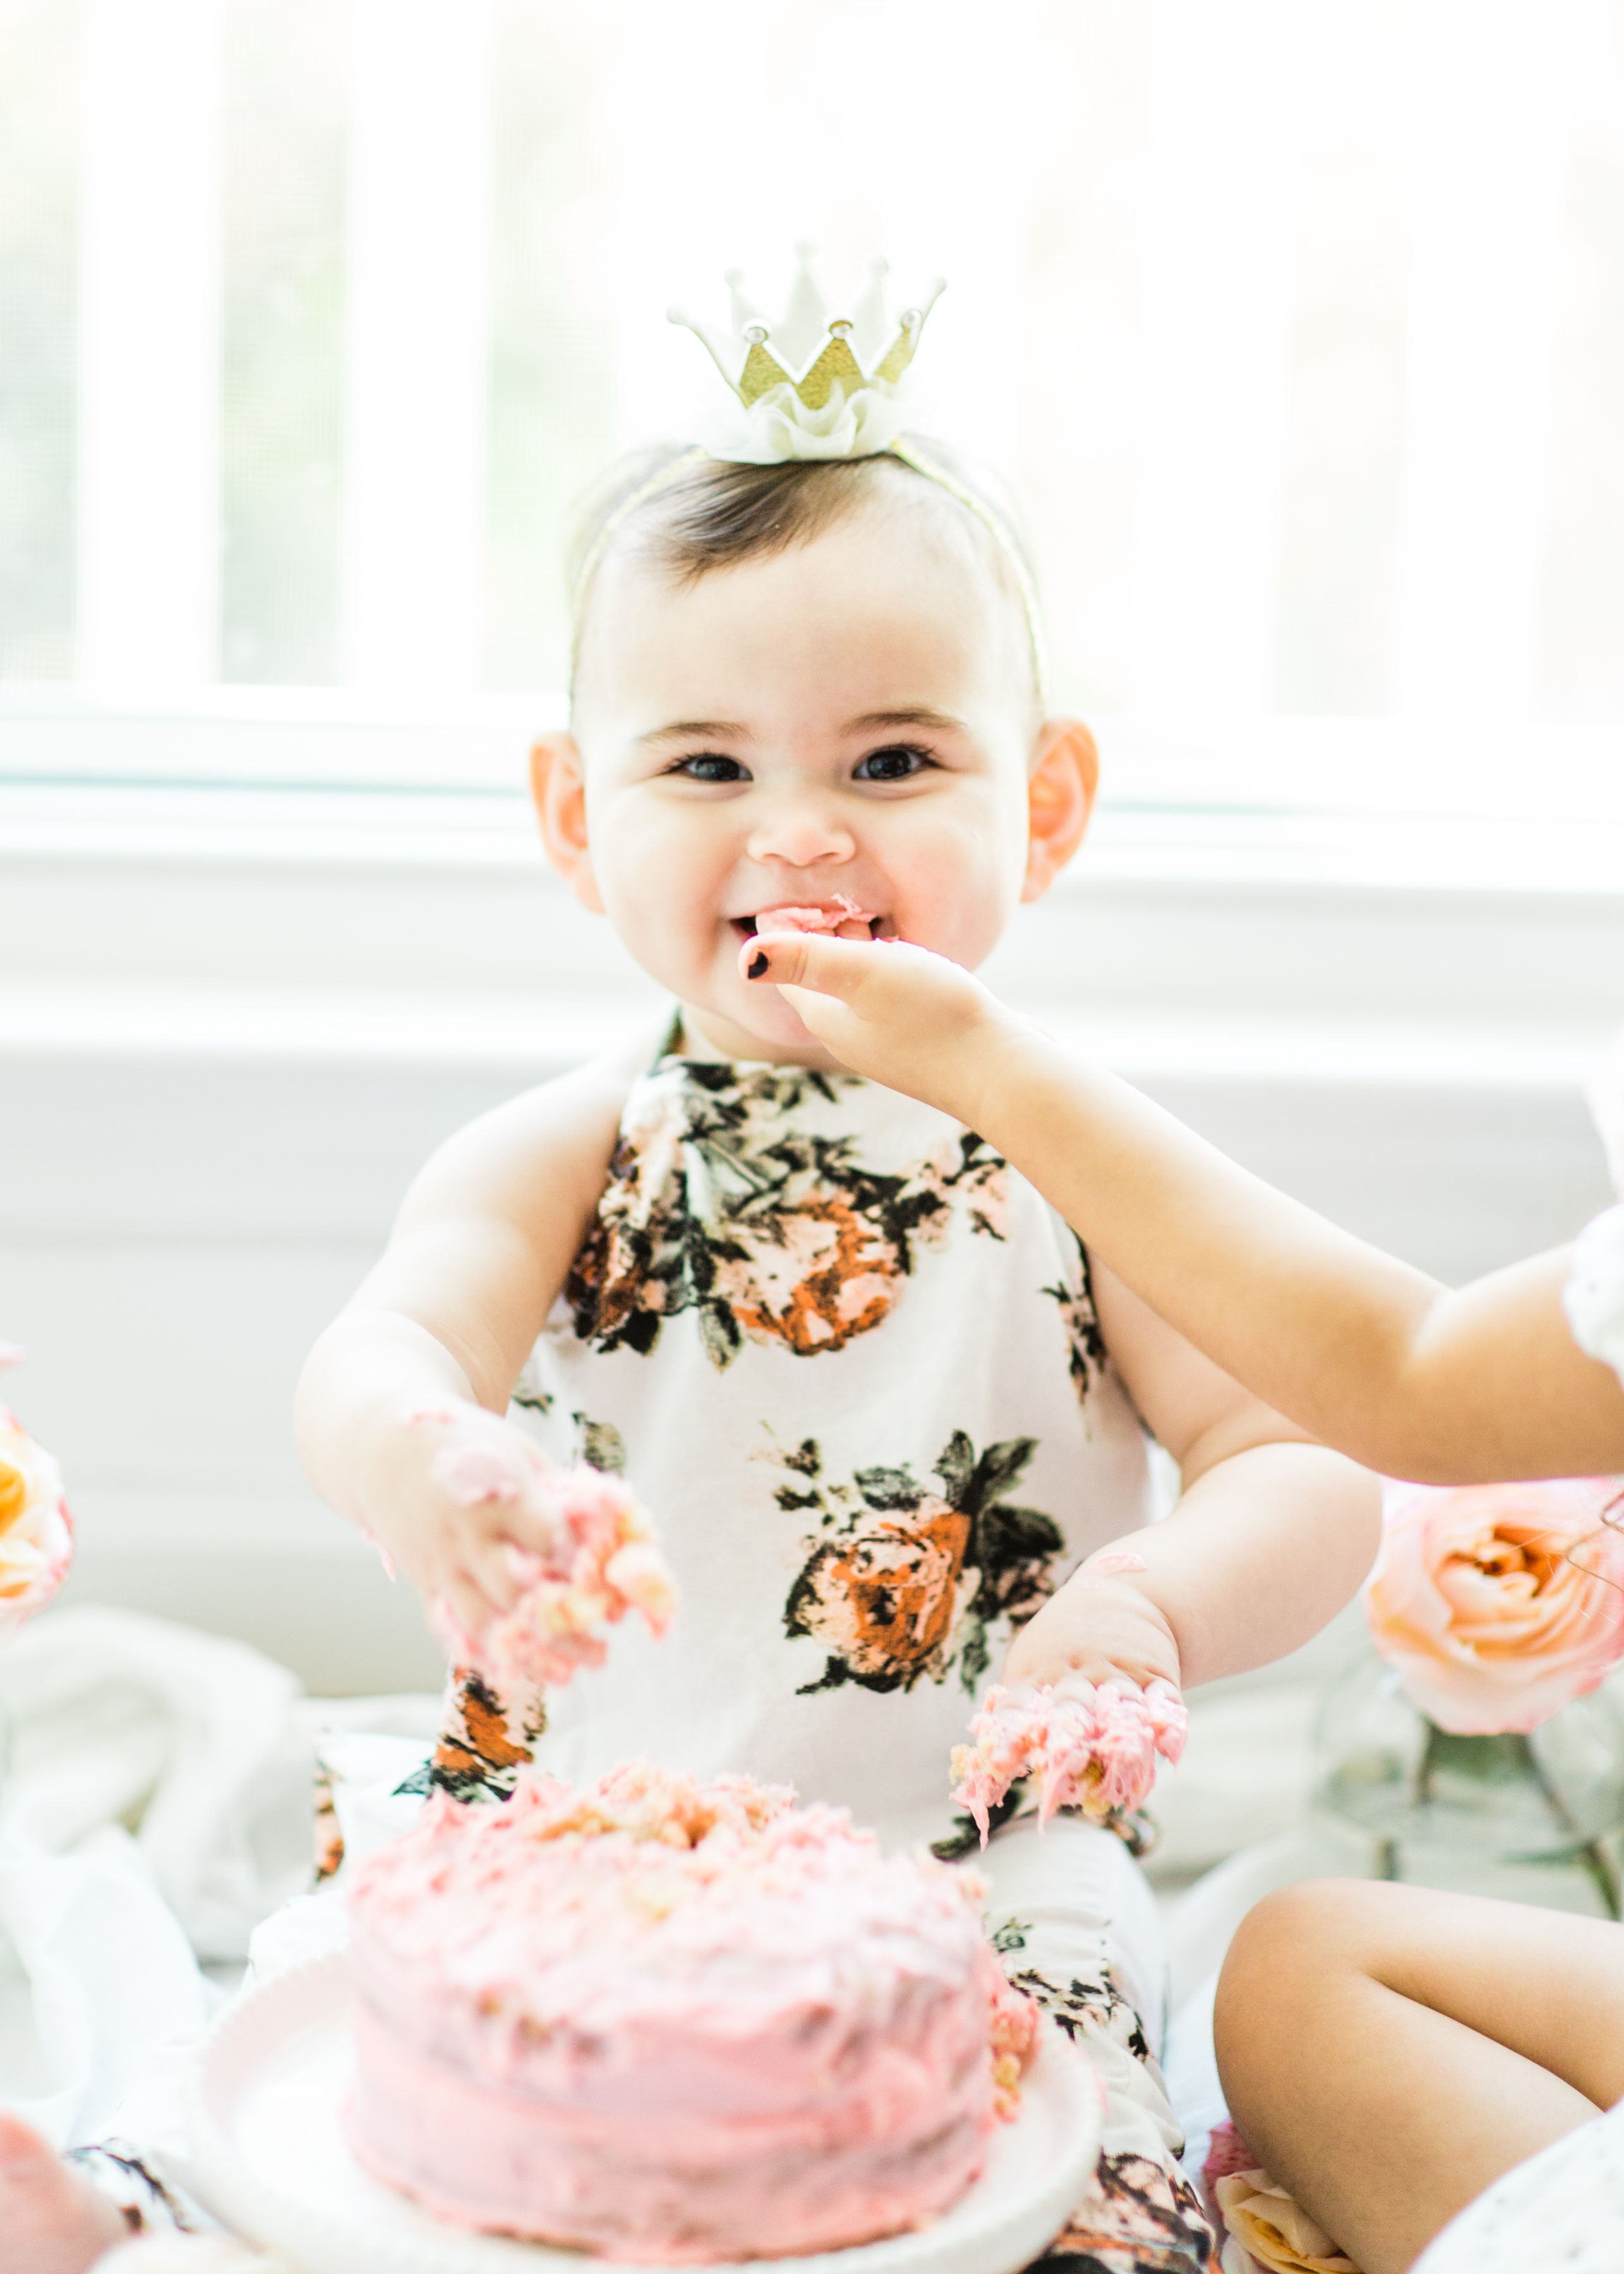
265, 2106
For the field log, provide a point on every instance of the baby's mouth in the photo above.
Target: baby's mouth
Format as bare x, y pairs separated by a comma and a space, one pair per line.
840, 918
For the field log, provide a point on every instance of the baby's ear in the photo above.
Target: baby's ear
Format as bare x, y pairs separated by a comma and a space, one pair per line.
558, 785
1065, 776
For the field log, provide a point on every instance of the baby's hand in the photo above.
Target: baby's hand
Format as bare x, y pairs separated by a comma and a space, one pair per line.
1098, 1625
458, 1511
892, 1011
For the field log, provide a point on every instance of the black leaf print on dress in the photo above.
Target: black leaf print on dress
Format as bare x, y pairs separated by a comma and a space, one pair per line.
1138, 2218
1086, 2006
1085, 1343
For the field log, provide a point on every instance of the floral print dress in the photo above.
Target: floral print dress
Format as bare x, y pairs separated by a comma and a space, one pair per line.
850, 1359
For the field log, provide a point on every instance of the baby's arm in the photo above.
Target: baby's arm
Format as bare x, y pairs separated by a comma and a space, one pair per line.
432, 1342
1269, 1539
1421, 1380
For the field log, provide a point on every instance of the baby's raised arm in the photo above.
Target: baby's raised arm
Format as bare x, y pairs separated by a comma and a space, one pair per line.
1375, 1358
429, 1348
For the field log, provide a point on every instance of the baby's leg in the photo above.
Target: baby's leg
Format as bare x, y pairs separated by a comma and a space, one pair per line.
1074, 1921
52, 2219
1387, 2051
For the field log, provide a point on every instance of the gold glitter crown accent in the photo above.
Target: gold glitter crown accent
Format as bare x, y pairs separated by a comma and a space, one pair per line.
810, 348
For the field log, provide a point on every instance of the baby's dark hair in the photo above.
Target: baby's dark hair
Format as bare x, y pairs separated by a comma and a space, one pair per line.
711, 514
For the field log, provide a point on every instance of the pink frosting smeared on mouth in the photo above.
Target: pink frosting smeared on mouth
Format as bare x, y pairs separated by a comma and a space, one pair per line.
1092, 1749
673, 2022
842, 918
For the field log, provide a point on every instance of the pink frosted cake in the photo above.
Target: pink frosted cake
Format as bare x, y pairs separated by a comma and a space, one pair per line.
673, 2022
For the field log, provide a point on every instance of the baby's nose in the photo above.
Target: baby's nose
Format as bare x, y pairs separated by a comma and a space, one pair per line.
800, 833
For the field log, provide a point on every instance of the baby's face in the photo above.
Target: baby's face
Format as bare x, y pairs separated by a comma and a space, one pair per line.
852, 717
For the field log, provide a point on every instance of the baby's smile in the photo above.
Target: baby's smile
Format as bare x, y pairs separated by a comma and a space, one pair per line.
840, 916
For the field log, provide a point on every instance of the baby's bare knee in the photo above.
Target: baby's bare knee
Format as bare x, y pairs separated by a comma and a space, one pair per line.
1288, 1953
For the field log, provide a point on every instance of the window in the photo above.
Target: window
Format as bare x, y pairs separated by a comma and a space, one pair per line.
1299, 329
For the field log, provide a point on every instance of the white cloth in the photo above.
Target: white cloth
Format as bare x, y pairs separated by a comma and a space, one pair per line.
1562, 2212
118, 1719
849, 1358
1594, 1296
154, 1809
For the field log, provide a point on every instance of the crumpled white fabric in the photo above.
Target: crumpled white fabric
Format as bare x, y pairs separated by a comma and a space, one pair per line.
154, 1811
1594, 1296
148, 1815
117, 1718
777, 426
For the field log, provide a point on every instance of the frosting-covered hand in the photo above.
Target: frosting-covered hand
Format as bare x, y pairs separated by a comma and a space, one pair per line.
596, 1561
519, 1562
1092, 1749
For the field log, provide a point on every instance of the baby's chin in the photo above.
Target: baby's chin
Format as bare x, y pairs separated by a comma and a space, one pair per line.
763, 1028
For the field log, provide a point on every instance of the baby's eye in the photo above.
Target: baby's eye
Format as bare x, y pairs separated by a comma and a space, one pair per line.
711, 766
896, 763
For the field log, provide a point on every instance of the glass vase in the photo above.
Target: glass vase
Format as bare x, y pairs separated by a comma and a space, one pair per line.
1472, 1810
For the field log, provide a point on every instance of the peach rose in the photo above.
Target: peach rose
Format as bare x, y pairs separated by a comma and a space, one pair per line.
1275, 2228
1498, 1603
36, 1533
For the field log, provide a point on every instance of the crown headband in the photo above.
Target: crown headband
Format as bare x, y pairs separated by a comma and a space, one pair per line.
817, 386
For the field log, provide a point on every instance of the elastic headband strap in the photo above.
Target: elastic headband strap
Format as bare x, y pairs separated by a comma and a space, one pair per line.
923, 463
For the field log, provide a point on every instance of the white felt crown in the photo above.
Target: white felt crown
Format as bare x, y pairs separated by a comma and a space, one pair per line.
812, 384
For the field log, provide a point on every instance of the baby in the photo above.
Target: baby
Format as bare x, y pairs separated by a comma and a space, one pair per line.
891, 1418
888, 1414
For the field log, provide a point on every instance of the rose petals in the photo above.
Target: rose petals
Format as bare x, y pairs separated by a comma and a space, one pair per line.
36, 1532
1498, 1604
1276, 2230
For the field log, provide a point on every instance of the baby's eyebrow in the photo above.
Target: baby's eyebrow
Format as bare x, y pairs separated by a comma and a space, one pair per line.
939, 722
689, 730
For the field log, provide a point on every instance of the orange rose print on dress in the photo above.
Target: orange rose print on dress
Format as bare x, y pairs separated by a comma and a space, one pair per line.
719, 1203
837, 1279
903, 1582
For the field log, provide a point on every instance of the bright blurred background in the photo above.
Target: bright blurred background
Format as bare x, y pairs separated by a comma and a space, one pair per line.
1299, 326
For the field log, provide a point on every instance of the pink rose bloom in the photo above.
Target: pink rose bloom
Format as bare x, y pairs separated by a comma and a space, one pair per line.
36, 1533
1498, 1603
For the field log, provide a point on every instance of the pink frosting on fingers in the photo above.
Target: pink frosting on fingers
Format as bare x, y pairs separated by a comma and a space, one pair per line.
1094, 1749
592, 1558
674, 2021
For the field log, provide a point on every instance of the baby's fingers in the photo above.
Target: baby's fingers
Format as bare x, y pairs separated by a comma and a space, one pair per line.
459, 1615
498, 1569
843, 967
